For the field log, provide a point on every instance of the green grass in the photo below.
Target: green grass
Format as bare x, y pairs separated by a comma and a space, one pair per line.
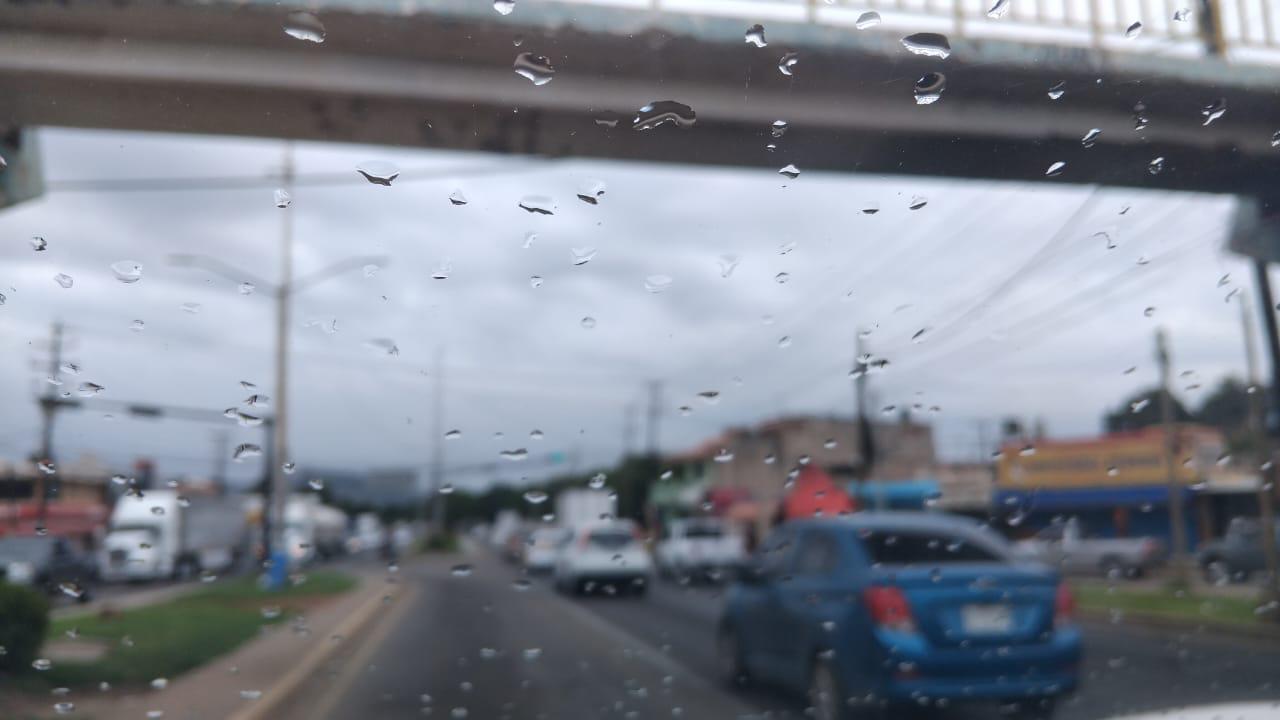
172, 637
1166, 603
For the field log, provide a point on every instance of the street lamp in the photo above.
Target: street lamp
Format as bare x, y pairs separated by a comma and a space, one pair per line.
282, 292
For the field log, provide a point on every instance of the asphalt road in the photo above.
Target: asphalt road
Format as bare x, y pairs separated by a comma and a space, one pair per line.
481, 647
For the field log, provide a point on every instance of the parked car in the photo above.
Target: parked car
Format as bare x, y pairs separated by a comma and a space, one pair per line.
1237, 554
699, 549
607, 555
513, 545
53, 564
1064, 546
543, 545
893, 607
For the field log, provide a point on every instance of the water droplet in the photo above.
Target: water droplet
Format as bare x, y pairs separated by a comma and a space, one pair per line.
515, 455
1057, 91
247, 288
998, 9
871, 208
537, 204
1133, 31
779, 128
782, 278
787, 62
127, 271
535, 281
531, 654
281, 198
534, 68
685, 410
442, 271
386, 346
529, 239
929, 87
64, 280
710, 397
38, 243
1140, 118
581, 255
1182, 15
46, 467
157, 510
41, 664
457, 198
504, 7
590, 191
89, 389
1155, 166
1055, 169
784, 341
461, 570
535, 497
453, 435
71, 590
159, 683
155, 714
190, 308
727, 263
790, 171
378, 172
587, 322
866, 20
250, 694
289, 468
1149, 312
917, 202
446, 489
658, 283
1275, 139
1090, 137
245, 450
755, 36
723, 456
137, 326
1027, 451
304, 26
608, 119
316, 484
64, 708
660, 112
521, 585
270, 612
1214, 110
918, 337
1138, 406
928, 44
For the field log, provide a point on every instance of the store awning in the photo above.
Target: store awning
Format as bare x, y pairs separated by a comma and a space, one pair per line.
815, 493
895, 493
1079, 498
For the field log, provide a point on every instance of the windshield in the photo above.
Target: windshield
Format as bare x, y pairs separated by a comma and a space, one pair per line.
539, 359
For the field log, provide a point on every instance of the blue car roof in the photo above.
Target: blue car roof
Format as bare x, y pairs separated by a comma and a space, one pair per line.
894, 520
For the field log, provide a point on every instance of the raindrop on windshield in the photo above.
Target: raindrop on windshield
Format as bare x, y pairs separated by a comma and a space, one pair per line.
535, 497
710, 397
41, 664
386, 346
137, 326
304, 26
39, 244
1149, 312
587, 322
929, 87
581, 255
779, 128
657, 283
460, 570
64, 708
782, 278
246, 450
1090, 137
1155, 166
1182, 15
378, 172
127, 271
917, 202
534, 68
515, 455
289, 468
536, 435
1133, 31
868, 19
790, 171
247, 288
457, 198
442, 271
784, 342
64, 280
660, 112
1214, 110
755, 36
535, 281
453, 435
281, 198
590, 191
504, 7
89, 389
787, 62
1055, 169
316, 484
728, 263
1275, 139
998, 9
190, 308
1057, 91
871, 208
446, 489
928, 44
723, 456
537, 204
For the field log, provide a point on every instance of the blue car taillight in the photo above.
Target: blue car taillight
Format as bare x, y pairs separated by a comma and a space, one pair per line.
1064, 607
889, 609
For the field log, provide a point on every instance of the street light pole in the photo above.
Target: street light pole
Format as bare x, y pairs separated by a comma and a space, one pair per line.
1177, 517
280, 438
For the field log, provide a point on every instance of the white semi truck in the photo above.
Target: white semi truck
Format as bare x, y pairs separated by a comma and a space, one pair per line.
161, 534
313, 530
584, 506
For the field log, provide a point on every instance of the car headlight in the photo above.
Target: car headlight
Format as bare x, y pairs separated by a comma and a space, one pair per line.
20, 573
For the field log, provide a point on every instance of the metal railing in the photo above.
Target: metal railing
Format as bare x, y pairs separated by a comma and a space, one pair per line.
1235, 29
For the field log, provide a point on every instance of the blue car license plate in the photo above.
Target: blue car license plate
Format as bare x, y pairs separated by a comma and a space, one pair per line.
991, 619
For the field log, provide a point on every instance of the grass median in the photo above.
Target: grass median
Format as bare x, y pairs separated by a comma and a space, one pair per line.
1167, 604
169, 638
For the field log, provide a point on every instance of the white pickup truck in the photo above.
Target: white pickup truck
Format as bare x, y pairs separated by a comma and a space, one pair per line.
699, 549
1064, 546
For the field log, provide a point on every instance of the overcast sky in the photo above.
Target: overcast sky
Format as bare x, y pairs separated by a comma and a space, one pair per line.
1025, 309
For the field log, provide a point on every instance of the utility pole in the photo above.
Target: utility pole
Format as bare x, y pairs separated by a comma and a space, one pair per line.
654, 416
866, 443
437, 447
221, 444
1177, 518
1257, 423
48, 408
278, 489
628, 429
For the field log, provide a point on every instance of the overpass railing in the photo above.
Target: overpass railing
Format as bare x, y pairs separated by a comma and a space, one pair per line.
1235, 29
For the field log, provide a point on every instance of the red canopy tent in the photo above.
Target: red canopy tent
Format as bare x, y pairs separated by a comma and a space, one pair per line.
816, 493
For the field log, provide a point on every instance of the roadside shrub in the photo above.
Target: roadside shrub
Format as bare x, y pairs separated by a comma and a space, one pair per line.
24, 617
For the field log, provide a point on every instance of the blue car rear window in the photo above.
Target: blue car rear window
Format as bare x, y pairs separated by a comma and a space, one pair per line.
915, 547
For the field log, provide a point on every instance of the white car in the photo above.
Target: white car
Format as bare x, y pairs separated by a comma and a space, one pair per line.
699, 549
603, 556
1225, 711
542, 546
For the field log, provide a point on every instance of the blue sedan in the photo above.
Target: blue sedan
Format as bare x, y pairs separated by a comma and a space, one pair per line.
873, 611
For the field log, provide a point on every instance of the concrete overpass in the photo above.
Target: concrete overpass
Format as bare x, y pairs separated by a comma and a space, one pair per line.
441, 76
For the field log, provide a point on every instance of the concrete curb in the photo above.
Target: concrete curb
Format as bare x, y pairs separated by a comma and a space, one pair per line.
1255, 633
283, 688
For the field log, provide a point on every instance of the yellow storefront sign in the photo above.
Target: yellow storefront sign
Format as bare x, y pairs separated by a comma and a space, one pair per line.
1118, 460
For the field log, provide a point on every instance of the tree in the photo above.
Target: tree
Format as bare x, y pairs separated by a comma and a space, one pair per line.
1227, 407
1142, 410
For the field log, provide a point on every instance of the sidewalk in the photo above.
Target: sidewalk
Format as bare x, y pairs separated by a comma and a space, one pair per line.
254, 674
